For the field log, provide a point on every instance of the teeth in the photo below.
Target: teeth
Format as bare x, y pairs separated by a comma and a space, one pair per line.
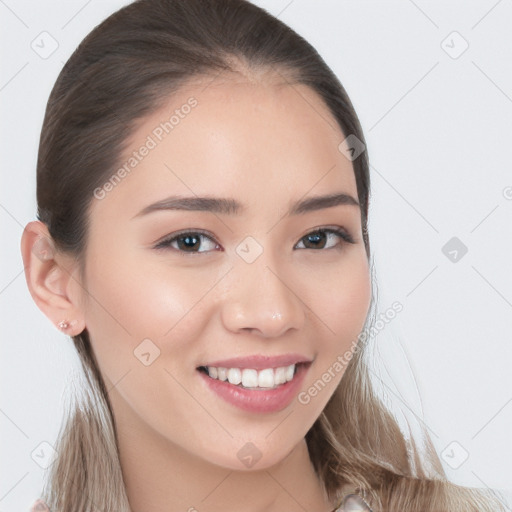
266, 378
222, 373
249, 379
280, 376
253, 379
234, 376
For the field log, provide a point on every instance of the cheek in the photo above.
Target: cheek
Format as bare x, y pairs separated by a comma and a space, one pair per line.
354, 296
136, 299
341, 300
340, 312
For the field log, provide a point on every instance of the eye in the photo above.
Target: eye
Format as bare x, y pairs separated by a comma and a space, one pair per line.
317, 238
189, 241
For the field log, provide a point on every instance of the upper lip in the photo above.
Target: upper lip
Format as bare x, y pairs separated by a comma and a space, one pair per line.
260, 362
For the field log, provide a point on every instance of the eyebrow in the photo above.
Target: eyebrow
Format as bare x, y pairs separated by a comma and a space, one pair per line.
228, 206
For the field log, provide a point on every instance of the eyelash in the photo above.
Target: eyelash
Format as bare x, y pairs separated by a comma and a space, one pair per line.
165, 244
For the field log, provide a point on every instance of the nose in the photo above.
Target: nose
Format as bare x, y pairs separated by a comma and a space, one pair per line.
263, 302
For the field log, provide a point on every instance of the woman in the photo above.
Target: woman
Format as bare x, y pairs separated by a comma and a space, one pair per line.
202, 195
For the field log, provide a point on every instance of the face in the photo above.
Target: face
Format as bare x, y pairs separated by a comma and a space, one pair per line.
171, 290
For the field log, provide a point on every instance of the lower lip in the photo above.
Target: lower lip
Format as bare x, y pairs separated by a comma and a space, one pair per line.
264, 400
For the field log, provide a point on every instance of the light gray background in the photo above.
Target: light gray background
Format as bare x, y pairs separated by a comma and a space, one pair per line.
438, 127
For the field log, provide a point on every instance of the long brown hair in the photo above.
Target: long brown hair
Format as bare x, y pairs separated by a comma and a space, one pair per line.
122, 71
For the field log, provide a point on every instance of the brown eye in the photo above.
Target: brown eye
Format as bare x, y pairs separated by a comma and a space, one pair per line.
186, 241
317, 239
189, 242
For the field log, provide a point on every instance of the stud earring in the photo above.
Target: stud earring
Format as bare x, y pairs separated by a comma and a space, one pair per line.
64, 325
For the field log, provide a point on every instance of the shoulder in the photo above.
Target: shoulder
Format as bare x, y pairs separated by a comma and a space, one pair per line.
39, 506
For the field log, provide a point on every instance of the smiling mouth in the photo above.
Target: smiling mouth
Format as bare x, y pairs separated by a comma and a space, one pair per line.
248, 378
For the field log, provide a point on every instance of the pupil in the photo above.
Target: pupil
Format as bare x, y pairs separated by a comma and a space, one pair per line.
315, 237
187, 240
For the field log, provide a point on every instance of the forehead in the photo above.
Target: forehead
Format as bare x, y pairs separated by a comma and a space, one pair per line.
257, 141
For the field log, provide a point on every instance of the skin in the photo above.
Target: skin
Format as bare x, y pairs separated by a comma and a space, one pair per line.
265, 145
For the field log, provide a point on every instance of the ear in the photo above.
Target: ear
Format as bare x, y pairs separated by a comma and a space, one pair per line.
52, 279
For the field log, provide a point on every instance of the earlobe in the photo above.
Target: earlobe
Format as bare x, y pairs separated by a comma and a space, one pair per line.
47, 279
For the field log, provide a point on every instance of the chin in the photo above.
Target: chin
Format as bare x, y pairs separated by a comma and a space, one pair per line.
250, 455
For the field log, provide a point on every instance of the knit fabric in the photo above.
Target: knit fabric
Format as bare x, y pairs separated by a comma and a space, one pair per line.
39, 506
350, 503
353, 503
